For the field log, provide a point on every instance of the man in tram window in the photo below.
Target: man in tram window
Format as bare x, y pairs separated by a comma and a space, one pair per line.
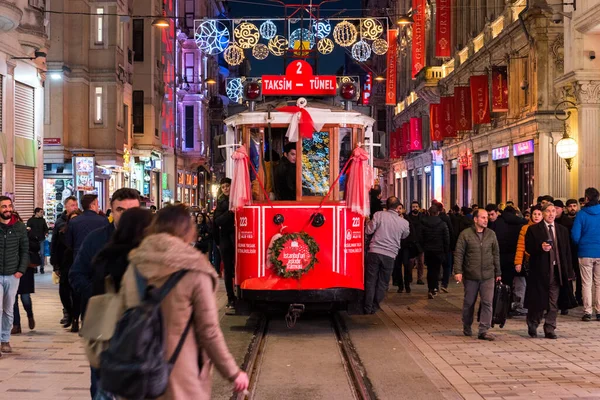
285, 174
388, 230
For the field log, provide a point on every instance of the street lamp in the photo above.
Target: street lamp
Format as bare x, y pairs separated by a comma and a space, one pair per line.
405, 20
567, 147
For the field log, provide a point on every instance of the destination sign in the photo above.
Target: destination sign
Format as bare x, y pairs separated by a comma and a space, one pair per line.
299, 81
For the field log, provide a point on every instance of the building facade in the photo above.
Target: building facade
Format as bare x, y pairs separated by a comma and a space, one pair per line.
23, 43
511, 157
87, 127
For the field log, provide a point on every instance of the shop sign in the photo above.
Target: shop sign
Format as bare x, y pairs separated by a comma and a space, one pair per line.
523, 148
418, 39
500, 153
404, 174
84, 173
299, 81
366, 93
52, 141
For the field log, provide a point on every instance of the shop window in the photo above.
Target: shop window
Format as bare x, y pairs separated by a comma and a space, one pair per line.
98, 99
99, 37
189, 127
138, 111
138, 40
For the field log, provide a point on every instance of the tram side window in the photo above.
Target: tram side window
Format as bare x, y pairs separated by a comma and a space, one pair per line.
345, 151
285, 174
315, 165
255, 140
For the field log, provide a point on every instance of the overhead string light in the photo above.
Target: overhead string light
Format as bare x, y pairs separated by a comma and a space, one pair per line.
322, 28
268, 30
246, 35
234, 89
260, 51
370, 29
361, 51
345, 34
325, 46
278, 45
212, 37
380, 47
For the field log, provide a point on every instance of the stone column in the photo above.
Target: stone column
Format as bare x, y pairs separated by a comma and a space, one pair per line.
446, 185
512, 177
459, 184
475, 181
587, 162
491, 179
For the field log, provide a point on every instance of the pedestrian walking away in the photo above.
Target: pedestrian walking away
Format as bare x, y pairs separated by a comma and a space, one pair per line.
477, 265
14, 260
434, 237
388, 230
549, 269
27, 287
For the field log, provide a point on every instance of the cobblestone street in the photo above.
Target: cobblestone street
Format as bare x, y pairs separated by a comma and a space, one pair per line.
48, 363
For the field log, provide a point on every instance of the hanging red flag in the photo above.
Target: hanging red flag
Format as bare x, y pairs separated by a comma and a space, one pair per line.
418, 37
394, 145
392, 62
443, 29
447, 117
416, 134
499, 89
462, 108
406, 137
400, 141
480, 99
435, 123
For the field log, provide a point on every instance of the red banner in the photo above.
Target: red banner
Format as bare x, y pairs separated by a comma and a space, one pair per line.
392, 63
480, 99
435, 123
418, 38
443, 29
447, 117
462, 108
400, 141
366, 92
416, 134
499, 89
406, 137
394, 144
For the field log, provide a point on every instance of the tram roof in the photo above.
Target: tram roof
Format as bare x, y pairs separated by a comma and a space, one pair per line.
322, 112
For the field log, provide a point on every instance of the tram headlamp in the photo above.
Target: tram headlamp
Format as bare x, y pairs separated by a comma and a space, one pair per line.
348, 91
252, 91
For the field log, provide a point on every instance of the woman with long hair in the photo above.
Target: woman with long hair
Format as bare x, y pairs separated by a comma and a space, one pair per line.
166, 250
204, 233
112, 259
522, 261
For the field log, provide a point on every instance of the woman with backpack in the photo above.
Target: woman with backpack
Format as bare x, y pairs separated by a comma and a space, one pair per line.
165, 251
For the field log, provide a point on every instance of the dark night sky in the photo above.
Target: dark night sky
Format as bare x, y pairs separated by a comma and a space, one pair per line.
266, 9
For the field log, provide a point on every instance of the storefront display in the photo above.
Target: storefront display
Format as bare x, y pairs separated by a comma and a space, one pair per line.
84, 173
58, 185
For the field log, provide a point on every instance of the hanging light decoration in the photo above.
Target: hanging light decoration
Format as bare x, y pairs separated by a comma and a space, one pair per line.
234, 55
268, 30
322, 28
325, 46
278, 45
234, 89
260, 51
246, 35
345, 34
371, 28
302, 39
380, 47
361, 51
212, 37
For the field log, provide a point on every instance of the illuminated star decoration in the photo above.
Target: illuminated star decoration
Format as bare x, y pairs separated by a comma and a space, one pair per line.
234, 89
234, 55
380, 47
278, 45
361, 51
246, 35
322, 28
371, 29
268, 30
325, 46
212, 37
345, 34
260, 51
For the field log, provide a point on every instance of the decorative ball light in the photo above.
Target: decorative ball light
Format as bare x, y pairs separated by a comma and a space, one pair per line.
361, 51
325, 46
278, 45
345, 34
380, 47
321, 28
212, 37
301, 38
371, 28
260, 51
246, 35
268, 30
234, 89
234, 55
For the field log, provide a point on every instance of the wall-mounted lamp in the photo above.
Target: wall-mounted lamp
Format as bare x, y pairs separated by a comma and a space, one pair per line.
567, 147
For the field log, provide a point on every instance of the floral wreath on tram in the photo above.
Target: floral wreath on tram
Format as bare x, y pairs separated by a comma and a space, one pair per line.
293, 254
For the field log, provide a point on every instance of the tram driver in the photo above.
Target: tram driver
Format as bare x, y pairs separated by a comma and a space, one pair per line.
285, 174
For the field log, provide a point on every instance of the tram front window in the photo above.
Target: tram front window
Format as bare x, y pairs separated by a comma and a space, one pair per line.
315, 165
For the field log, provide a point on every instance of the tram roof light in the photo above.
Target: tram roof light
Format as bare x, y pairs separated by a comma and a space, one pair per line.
252, 91
348, 91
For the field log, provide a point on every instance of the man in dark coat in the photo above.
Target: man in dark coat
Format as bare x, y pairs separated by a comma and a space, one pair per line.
39, 230
285, 174
87, 222
414, 218
225, 229
550, 268
507, 227
434, 237
408, 251
449, 260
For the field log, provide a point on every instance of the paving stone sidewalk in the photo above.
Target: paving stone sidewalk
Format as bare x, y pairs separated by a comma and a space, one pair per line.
514, 365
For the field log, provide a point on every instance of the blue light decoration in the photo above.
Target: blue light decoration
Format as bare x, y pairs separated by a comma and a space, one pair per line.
268, 30
299, 36
212, 37
322, 28
234, 89
361, 51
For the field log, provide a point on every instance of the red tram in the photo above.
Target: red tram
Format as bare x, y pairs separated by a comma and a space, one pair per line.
310, 250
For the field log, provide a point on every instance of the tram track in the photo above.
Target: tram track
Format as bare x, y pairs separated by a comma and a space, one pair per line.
331, 343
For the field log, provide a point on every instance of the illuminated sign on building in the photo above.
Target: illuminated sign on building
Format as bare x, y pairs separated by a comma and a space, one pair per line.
523, 148
500, 153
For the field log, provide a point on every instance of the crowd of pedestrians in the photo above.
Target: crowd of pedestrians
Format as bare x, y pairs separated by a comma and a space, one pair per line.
549, 255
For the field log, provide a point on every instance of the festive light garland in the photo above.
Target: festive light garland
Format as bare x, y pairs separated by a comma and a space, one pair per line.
234, 55
246, 35
361, 51
302, 39
234, 89
345, 34
325, 46
268, 30
278, 45
212, 37
322, 28
371, 29
260, 51
380, 47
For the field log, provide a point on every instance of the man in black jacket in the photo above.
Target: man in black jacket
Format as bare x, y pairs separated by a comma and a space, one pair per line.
414, 217
285, 174
87, 222
435, 241
39, 230
225, 230
449, 259
508, 227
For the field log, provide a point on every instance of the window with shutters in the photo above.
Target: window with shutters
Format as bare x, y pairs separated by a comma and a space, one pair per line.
189, 127
24, 111
24, 191
138, 111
